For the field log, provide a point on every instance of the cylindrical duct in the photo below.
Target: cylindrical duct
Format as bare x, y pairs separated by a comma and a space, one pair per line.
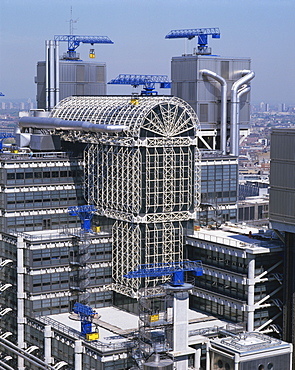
159, 365
46, 74
51, 74
56, 84
234, 134
61, 124
223, 83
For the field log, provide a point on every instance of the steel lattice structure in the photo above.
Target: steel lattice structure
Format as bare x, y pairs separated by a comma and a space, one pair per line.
146, 177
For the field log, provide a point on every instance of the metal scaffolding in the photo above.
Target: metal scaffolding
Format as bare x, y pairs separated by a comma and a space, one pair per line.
146, 176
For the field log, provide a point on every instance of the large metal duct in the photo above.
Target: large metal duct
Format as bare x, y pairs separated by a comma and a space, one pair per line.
223, 83
61, 124
52, 74
235, 102
244, 90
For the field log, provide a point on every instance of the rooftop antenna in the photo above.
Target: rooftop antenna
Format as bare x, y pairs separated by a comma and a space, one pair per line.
72, 21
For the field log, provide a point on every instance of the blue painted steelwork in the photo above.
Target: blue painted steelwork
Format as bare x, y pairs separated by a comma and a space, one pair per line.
86, 314
75, 40
85, 213
148, 82
202, 34
4, 136
176, 269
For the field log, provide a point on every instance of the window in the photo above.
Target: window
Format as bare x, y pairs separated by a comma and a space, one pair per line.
10, 176
225, 69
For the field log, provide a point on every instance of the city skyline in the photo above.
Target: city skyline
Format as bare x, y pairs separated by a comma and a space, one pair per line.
259, 30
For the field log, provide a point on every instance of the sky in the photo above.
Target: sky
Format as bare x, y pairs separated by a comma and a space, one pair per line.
260, 29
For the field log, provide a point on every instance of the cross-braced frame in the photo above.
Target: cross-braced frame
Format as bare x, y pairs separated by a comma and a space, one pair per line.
145, 177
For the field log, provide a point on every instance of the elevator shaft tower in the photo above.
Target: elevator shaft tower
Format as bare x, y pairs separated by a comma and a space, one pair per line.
142, 172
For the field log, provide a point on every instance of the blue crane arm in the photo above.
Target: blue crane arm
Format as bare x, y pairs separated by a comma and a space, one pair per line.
85, 214
86, 314
83, 310
191, 33
75, 40
162, 269
4, 136
136, 80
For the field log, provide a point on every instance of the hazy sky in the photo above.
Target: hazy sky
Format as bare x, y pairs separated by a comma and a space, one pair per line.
261, 29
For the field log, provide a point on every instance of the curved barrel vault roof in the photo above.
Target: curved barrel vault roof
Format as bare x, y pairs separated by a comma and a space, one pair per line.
165, 116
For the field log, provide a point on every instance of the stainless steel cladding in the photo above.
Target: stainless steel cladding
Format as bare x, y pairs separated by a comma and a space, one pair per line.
206, 94
282, 180
75, 78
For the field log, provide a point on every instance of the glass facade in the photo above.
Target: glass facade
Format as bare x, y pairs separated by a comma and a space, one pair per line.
33, 189
219, 181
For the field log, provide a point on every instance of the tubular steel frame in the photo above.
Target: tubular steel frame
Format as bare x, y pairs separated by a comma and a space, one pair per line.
147, 177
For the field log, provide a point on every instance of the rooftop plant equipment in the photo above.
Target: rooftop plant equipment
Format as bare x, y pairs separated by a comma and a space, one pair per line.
75, 40
148, 82
202, 34
175, 269
85, 213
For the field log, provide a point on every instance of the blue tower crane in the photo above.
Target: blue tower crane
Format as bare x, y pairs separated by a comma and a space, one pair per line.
86, 314
85, 214
175, 269
148, 82
75, 40
202, 34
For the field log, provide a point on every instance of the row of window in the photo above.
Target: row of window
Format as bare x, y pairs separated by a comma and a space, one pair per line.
214, 308
38, 223
61, 256
227, 262
17, 177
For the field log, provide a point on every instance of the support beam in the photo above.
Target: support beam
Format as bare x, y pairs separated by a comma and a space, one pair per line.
20, 300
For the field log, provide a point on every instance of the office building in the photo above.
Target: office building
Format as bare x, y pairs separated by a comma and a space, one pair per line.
281, 215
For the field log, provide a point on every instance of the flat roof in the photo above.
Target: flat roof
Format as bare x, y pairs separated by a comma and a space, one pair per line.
240, 236
250, 342
115, 324
60, 234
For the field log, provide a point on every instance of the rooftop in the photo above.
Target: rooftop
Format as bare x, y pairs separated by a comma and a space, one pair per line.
249, 342
116, 327
239, 236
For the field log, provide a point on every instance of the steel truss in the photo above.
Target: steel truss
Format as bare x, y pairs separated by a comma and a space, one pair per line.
147, 177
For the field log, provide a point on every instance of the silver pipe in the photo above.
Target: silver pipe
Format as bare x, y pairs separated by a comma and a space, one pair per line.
56, 72
46, 75
5, 366
61, 124
223, 83
245, 89
234, 134
20, 299
27, 356
51, 75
